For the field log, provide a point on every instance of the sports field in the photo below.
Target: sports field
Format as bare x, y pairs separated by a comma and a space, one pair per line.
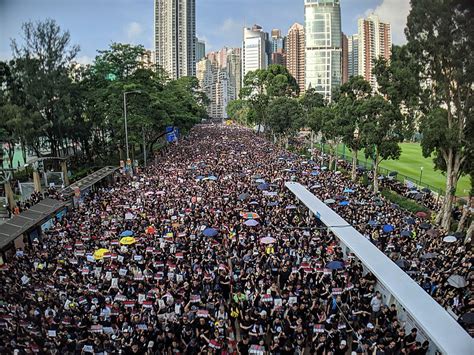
410, 163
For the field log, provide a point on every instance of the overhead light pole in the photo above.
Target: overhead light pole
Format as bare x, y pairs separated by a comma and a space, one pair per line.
128, 163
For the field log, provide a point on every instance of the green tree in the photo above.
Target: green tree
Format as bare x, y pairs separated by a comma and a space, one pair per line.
331, 131
381, 131
309, 101
238, 110
440, 38
261, 86
42, 63
284, 113
160, 102
350, 106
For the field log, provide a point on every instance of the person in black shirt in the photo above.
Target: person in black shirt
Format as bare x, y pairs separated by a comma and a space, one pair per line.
243, 346
410, 340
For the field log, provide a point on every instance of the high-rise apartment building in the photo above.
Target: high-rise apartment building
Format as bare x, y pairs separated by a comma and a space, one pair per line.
323, 45
175, 36
295, 62
279, 57
345, 59
200, 49
234, 67
148, 60
218, 79
353, 55
255, 50
222, 57
277, 47
206, 73
375, 41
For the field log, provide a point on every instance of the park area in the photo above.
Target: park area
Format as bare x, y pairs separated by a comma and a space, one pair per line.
410, 163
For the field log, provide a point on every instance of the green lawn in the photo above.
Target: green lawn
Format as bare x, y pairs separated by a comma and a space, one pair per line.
410, 163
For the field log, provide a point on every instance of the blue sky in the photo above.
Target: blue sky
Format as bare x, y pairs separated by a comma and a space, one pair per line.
94, 24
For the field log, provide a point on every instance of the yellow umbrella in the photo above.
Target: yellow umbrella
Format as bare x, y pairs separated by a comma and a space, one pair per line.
99, 253
127, 240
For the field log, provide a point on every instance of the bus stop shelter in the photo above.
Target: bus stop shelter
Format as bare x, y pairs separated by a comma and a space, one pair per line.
89, 181
27, 224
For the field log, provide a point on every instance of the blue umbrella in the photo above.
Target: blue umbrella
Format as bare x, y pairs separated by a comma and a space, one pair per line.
263, 186
347, 190
388, 228
315, 173
343, 203
199, 177
405, 233
373, 223
209, 232
126, 234
335, 265
212, 178
425, 226
272, 204
243, 196
410, 220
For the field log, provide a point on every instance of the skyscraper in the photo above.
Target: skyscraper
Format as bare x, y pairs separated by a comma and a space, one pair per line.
277, 48
345, 59
295, 54
200, 49
234, 67
323, 45
175, 36
353, 55
255, 50
277, 41
375, 40
279, 57
218, 79
147, 60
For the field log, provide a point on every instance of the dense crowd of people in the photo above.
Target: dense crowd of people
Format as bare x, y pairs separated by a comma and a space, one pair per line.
33, 199
207, 252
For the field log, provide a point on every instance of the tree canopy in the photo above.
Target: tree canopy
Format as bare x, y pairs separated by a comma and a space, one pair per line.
50, 102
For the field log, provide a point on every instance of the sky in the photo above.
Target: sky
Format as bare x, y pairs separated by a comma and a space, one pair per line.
95, 24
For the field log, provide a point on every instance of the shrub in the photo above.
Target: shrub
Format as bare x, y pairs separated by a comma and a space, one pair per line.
403, 202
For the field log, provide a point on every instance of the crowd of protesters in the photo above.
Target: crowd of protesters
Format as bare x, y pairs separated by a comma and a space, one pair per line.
32, 200
207, 252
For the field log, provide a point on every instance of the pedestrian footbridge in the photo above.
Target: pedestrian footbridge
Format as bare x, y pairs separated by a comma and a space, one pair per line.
416, 308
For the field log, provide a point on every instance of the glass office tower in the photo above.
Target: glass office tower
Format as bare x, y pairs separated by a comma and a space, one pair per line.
323, 50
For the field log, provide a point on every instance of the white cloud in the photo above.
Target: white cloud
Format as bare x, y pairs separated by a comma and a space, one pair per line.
205, 40
230, 25
133, 30
394, 12
84, 60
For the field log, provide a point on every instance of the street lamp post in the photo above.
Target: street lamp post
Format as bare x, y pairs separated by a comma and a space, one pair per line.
144, 147
421, 173
126, 125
